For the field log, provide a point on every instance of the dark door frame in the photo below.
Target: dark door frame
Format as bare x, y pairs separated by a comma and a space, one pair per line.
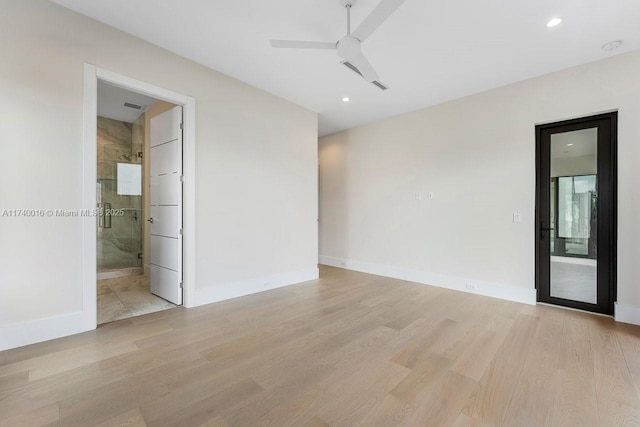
607, 202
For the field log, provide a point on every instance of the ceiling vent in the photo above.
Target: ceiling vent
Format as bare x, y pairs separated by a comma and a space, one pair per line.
353, 68
380, 85
134, 106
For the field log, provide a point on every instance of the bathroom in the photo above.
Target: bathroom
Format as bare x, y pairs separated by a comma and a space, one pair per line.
122, 231
119, 191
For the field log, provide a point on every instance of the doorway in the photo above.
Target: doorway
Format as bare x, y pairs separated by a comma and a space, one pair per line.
119, 189
576, 199
139, 204
91, 76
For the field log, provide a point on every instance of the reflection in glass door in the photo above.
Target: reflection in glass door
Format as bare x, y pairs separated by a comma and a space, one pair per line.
573, 211
576, 193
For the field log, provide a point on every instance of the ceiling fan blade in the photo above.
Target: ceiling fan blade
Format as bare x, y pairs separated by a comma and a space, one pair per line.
365, 68
376, 18
294, 44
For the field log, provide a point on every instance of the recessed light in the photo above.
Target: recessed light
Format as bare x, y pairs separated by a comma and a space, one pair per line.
612, 45
569, 145
346, 99
553, 22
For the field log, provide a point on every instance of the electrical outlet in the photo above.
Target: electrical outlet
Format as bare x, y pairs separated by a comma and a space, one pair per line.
418, 196
472, 286
343, 263
430, 196
517, 218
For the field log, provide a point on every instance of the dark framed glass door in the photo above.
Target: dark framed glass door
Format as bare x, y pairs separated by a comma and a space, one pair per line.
576, 199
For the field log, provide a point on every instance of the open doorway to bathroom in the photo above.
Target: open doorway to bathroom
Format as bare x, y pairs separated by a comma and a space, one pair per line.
124, 235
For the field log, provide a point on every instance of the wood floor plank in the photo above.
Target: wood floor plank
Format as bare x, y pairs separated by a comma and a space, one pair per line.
260, 406
38, 417
612, 375
315, 422
300, 410
443, 404
415, 307
159, 413
13, 381
361, 392
492, 396
107, 402
614, 413
350, 349
533, 396
216, 422
132, 418
84, 380
629, 340
436, 338
477, 356
330, 354
419, 381
576, 399
190, 395
464, 420
388, 412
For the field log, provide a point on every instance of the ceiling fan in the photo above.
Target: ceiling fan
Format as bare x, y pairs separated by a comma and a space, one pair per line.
349, 47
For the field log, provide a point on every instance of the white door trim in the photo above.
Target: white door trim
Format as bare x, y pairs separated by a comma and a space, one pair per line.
90, 176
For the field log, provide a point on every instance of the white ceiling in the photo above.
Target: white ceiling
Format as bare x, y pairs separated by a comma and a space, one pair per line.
582, 142
428, 52
111, 101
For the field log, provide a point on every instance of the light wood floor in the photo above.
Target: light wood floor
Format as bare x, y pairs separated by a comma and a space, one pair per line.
350, 349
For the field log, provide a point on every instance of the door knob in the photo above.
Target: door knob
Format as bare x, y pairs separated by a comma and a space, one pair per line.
150, 220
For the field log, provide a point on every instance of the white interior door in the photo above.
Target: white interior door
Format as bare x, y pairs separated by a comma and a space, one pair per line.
166, 205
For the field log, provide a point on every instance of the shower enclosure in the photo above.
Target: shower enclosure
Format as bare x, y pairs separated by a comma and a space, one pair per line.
119, 195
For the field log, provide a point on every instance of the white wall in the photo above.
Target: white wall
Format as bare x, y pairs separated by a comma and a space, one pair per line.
256, 168
477, 155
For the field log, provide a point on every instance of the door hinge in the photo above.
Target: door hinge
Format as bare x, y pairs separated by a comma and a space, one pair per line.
181, 126
180, 285
181, 178
181, 231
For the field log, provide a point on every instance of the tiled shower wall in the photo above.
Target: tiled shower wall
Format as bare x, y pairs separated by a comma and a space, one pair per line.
119, 237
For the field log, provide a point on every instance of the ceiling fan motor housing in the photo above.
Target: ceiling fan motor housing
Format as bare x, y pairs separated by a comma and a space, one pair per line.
349, 47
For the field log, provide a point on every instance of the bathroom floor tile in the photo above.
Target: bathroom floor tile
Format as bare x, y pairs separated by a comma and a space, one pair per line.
125, 297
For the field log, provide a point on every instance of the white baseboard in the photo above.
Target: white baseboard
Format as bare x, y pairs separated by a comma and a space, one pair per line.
35, 331
247, 287
627, 314
510, 293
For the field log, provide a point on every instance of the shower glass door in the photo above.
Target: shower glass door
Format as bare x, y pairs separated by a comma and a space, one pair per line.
119, 194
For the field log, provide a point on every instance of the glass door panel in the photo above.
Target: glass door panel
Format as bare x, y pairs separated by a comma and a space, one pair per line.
119, 194
573, 214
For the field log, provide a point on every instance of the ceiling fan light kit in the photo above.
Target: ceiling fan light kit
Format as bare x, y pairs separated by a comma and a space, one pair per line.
349, 48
